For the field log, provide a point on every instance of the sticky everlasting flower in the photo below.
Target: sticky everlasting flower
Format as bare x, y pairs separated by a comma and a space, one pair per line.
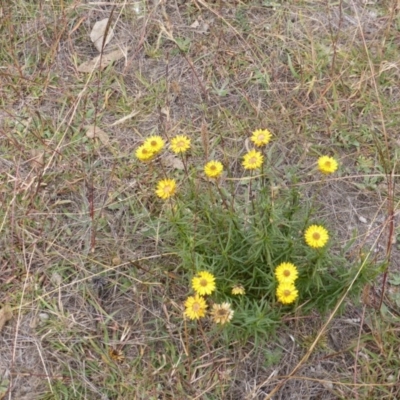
252, 160
221, 313
261, 137
286, 293
203, 283
180, 144
286, 273
155, 143
213, 169
195, 307
327, 165
166, 188
316, 236
238, 290
144, 153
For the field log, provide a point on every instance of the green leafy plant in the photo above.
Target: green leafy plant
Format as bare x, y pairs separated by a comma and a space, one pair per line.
231, 230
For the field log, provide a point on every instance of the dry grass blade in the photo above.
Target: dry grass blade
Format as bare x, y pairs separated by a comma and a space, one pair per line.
5, 315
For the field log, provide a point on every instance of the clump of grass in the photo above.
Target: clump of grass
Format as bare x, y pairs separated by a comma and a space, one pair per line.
250, 247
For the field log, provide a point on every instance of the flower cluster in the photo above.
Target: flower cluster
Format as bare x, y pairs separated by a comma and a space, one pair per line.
203, 283
150, 148
286, 275
195, 306
254, 158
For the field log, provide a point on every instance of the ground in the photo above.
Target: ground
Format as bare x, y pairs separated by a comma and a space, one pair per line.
96, 298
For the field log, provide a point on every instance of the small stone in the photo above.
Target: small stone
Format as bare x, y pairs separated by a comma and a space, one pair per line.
43, 316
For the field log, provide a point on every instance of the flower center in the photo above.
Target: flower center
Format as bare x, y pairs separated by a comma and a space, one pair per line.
196, 307
287, 293
153, 143
327, 164
286, 272
167, 189
203, 282
213, 168
181, 144
253, 160
261, 137
316, 236
222, 313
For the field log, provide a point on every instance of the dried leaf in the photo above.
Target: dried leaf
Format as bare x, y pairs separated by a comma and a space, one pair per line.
5, 315
98, 32
56, 279
173, 162
200, 28
165, 111
95, 132
37, 159
106, 60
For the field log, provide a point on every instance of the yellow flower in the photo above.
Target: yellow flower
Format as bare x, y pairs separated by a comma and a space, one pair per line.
221, 313
316, 236
166, 188
286, 293
238, 290
180, 144
213, 169
286, 273
252, 160
327, 165
195, 307
203, 283
144, 153
261, 137
155, 143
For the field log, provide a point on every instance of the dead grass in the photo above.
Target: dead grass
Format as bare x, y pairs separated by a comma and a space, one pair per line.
97, 302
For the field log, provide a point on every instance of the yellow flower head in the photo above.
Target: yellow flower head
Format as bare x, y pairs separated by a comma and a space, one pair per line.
252, 160
286, 293
203, 283
213, 169
195, 307
144, 153
261, 137
316, 236
166, 188
180, 144
221, 313
155, 143
238, 290
327, 165
286, 273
